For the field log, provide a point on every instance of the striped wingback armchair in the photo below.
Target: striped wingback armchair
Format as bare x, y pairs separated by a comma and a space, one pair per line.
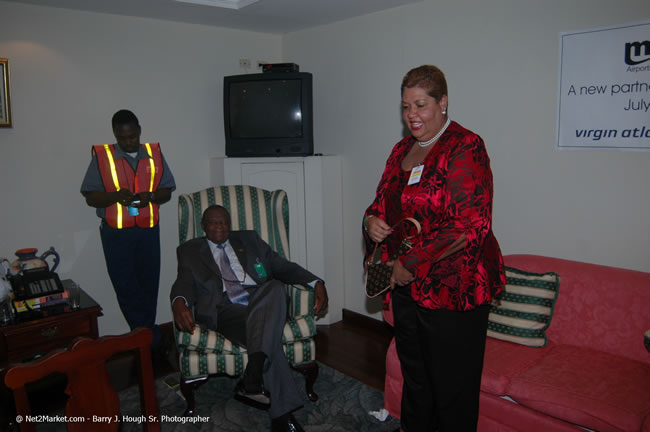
206, 352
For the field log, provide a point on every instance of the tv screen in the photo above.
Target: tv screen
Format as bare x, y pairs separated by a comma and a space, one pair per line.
268, 114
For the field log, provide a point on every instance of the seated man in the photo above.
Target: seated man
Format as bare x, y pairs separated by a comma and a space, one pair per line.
235, 283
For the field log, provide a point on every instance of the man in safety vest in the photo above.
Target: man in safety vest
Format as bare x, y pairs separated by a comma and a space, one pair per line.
126, 183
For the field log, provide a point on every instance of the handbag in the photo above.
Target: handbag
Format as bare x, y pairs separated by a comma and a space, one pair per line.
378, 273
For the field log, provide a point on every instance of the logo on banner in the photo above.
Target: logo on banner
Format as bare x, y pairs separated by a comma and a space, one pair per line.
637, 52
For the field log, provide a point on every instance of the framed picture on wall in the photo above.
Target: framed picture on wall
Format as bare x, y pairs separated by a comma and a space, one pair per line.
5, 103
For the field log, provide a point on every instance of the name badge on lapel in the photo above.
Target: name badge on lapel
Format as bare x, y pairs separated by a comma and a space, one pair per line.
259, 269
416, 174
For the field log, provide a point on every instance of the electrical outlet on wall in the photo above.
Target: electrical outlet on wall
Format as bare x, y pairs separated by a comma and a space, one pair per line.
244, 63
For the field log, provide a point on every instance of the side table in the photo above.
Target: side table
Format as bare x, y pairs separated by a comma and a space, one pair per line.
31, 336
28, 338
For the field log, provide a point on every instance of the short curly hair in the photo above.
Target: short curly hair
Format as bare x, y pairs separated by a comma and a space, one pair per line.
427, 77
124, 117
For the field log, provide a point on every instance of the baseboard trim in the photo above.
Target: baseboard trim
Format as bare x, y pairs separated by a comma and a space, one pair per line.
355, 318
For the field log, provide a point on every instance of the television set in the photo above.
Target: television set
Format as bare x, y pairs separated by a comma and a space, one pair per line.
268, 114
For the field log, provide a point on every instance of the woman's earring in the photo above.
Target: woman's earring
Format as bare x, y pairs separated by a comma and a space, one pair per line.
444, 111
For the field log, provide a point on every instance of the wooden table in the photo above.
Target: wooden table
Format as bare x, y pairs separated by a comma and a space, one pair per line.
29, 337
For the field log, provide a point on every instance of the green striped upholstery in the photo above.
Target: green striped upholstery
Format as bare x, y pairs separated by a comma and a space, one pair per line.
524, 311
250, 208
210, 341
196, 365
205, 351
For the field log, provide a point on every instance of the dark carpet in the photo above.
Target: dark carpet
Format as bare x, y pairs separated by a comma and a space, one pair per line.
343, 406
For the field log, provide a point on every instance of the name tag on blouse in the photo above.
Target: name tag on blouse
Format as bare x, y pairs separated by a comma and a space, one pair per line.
416, 174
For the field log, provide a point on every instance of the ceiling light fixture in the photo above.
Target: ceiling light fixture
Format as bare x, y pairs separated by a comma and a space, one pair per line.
228, 4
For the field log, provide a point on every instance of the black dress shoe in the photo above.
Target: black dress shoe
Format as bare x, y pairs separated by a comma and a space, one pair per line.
286, 423
257, 397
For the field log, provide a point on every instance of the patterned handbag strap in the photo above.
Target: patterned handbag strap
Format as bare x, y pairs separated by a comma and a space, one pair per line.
410, 219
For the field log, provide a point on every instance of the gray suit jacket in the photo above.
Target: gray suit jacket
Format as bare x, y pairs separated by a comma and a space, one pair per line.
199, 279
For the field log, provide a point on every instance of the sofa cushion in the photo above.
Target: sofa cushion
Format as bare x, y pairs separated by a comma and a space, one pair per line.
524, 311
591, 388
504, 360
599, 307
499, 414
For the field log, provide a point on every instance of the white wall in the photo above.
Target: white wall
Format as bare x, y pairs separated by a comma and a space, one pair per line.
501, 61
70, 71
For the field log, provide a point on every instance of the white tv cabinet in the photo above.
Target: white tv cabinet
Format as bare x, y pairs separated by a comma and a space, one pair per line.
314, 191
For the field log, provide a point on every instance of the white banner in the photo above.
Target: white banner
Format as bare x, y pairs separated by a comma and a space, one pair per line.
604, 93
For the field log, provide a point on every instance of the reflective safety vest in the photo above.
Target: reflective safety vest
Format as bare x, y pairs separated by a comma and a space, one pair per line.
118, 174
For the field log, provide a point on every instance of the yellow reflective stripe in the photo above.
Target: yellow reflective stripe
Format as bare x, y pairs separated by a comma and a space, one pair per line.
116, 182
153, 175
152, 165
150, 215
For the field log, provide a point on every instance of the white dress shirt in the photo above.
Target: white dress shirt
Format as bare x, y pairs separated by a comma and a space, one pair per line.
243, 278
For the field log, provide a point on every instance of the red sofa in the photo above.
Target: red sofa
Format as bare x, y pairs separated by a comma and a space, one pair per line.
594, 372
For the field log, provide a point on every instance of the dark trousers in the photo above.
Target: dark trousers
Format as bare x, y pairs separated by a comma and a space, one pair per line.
441, 355
133, 263
259, 327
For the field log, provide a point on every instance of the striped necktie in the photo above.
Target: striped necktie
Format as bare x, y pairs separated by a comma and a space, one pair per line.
236, 293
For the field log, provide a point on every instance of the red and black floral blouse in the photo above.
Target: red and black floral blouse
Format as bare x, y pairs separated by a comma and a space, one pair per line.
453, 197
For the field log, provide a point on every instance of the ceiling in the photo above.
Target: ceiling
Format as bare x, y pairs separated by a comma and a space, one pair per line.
266, 16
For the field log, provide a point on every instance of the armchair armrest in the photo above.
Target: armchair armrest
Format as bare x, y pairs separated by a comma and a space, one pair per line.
301, 301
300, 326
205, 340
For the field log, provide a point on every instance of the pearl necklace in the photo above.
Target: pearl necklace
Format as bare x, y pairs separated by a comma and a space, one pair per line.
438, 135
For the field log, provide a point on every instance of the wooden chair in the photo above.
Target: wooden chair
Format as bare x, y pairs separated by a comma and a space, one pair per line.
89, 390
207, 352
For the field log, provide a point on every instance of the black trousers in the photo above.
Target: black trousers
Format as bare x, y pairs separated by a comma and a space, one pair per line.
259, 327
133, 263
441, 355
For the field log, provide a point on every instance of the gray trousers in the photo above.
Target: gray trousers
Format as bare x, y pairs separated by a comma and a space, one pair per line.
258, 327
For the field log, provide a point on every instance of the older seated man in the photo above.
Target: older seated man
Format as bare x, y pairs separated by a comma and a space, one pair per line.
234, 282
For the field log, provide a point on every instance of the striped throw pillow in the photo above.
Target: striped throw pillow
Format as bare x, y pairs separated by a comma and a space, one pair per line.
524, 311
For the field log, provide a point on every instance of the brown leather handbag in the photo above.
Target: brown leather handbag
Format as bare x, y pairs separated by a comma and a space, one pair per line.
378, 273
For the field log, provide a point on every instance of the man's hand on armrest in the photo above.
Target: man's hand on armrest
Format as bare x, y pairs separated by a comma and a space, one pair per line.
182, 315
320, 299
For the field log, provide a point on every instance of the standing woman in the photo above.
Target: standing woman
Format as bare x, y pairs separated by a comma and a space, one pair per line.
443, 286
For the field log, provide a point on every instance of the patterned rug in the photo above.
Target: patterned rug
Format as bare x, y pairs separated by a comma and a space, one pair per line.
343, 406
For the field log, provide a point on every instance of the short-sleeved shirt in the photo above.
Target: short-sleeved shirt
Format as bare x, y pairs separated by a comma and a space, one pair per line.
93, 179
